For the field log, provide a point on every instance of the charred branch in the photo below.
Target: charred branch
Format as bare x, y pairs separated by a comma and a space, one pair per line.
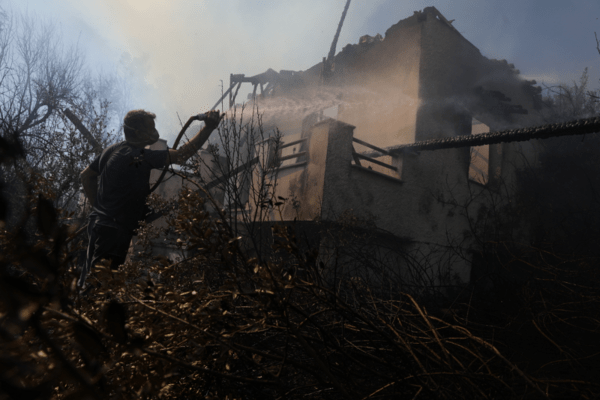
84, 131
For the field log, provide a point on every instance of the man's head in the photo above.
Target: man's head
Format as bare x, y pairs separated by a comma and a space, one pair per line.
139, 128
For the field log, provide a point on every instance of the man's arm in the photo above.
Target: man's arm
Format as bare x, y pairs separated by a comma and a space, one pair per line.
181, 155
89, 180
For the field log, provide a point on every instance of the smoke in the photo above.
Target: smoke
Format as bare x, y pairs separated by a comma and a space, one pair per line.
354, 100
175, 54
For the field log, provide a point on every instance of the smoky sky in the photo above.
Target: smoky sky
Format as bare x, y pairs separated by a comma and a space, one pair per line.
176, 52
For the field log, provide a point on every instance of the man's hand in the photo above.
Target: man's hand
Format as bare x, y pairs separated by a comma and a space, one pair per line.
213, 118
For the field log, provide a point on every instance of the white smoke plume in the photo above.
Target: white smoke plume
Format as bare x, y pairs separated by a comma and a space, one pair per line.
175, 53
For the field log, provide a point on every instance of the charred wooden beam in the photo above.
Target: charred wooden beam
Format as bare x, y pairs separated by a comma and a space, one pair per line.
284, 145
327, 67
223, 97
84, 131
374, 161
355, 157
571, 128
231, 174
295, 155
382, 151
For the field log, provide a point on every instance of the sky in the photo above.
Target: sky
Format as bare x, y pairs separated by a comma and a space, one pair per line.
177, 53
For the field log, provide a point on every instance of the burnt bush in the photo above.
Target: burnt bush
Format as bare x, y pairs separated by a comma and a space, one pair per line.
226, 322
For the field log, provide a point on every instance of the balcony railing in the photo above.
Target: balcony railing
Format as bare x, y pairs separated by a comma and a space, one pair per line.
372, 163
299, 157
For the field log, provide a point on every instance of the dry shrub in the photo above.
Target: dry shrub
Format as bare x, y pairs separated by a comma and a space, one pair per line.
223, 324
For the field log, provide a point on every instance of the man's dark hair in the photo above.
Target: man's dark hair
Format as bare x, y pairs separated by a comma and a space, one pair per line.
137, 128
136, 120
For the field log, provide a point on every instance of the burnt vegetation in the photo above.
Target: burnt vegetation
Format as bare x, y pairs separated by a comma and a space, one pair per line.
261, 316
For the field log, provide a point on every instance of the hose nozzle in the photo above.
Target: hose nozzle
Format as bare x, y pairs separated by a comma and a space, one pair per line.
201, 117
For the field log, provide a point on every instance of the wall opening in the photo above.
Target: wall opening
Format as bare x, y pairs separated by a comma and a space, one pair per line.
479, 167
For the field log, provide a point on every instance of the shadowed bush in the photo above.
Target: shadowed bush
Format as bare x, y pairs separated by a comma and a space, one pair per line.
226, 323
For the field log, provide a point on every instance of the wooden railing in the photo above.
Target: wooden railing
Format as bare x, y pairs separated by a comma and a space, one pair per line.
358, 156
292, 156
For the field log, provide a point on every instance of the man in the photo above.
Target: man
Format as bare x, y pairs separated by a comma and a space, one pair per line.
117, 184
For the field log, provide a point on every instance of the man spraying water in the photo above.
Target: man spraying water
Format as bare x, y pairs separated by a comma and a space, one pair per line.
117, 184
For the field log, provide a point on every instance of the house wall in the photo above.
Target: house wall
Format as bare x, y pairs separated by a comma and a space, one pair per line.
301, 185
380, 86
412, 208
452, 70
421, 82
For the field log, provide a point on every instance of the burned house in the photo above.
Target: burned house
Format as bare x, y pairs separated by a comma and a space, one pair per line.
355, 131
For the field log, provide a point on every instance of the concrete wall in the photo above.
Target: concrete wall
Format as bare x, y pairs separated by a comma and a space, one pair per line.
380, 86
451, 74
413, 208
302, 185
